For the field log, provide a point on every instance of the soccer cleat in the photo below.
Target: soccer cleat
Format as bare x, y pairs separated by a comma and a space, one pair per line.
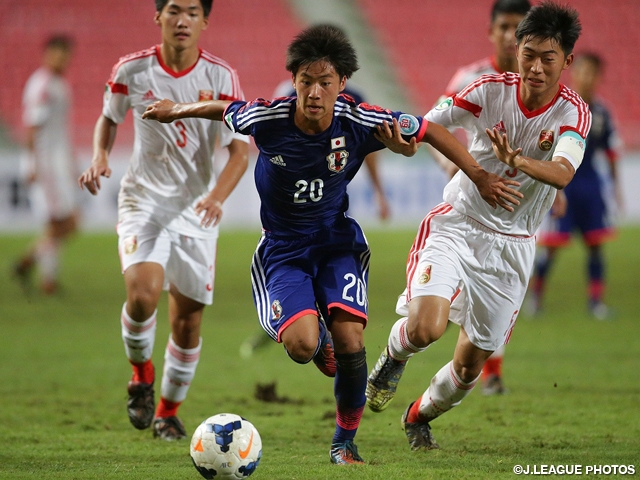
383, 381
345, 453
140, 405
23, 272
600, 311
325, 358
169, 429
418, 434
493, 386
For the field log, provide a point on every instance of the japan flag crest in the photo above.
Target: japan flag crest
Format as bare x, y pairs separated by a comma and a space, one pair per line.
337, 160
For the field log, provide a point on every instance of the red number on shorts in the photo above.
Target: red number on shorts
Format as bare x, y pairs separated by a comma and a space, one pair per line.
182, 141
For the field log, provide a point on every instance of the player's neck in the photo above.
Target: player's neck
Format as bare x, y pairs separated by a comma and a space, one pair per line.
533, 100
179, 60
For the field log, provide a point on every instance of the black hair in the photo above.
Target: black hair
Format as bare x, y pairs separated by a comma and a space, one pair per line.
519, 7
206, 6
552, 21
322, 42
59, 40
593, 58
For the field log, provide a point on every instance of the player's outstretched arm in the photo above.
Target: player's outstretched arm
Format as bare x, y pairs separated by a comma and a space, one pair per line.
557, 173
166, 111
104, 134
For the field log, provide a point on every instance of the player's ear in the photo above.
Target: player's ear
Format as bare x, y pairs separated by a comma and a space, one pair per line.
343, 83
568, 61
205, 23
156, 18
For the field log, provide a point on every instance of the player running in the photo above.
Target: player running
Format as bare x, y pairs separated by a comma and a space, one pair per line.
169, 204
471, 263
587, 208
312, 260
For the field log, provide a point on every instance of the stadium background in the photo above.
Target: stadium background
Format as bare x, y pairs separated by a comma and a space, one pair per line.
408, 51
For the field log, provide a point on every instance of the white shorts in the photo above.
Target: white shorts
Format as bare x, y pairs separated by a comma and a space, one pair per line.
188, 262
53, 200
482, 272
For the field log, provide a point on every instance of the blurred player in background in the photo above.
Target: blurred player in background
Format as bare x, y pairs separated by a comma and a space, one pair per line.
587, 195
50, 166
311, 264
169, 204
469, 263
505, 17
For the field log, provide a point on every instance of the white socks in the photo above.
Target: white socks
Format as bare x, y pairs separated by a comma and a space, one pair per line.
138, 337
445, 392
179, 369
400, 348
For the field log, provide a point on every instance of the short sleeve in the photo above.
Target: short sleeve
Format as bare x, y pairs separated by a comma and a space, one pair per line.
116, 101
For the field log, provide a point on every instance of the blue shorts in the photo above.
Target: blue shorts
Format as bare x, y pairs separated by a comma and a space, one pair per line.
586, 213
293, 277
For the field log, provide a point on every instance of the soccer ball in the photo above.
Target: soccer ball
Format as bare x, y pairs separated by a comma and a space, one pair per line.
226, 446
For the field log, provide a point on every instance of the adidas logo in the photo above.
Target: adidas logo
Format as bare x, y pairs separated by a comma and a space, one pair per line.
148, 96
277, 160
500, 127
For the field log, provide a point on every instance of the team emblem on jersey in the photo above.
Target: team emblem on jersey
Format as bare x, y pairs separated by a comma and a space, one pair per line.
228, 119
149, 97
408, 124
204, 95
339, 142
130, 245
500, 127
546, 140
425, 276
337, 160
445, 104
276, 309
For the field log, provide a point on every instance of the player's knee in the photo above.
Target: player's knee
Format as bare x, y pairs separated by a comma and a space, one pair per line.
141, 303
301, 350
422, 334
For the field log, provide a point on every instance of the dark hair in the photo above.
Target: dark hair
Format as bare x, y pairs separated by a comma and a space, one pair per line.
519, 7
206, 6
549, 20
59, 40
322, 42
593, 58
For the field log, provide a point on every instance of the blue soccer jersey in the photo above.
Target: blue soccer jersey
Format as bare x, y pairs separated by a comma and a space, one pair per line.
302, 179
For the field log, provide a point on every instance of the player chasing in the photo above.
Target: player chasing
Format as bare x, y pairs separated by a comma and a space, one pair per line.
587, 208
470, 264
169, 204
506, 15
50, 165
312, 260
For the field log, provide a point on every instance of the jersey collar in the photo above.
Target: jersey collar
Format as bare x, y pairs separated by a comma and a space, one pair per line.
171, 72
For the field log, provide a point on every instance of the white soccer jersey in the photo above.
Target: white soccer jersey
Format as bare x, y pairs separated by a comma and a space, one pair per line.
171, 167
47, 102
469, 73
493, 101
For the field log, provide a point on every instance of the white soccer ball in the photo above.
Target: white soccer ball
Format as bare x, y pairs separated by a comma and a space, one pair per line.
226, 446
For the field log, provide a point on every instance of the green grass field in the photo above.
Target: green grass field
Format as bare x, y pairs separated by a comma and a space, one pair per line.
574, 392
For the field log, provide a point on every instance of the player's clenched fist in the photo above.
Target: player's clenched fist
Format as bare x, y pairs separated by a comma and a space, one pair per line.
162, 111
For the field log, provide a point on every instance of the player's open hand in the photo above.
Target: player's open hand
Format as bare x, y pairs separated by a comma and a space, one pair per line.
498, 191
90, 178
392, 139
501, 148
211, 211
163, 111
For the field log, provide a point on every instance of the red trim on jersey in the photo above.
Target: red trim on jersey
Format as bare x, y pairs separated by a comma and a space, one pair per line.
295, 317
584, 115
475, 68
467, 105
423, 130
236, 90
222, 96
421, 238
506, 78
171, 72
118, 88
348, 309
539, 111
127, 58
